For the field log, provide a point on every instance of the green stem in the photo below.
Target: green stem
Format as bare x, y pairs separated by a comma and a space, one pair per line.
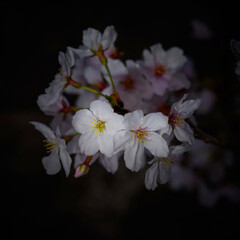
109, 74
79, 85
68, 138
97, 92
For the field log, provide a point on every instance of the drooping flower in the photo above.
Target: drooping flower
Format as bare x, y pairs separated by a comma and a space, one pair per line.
97, 127
139, 133
163, 69
178, 113
56, 147
94, 41
50, 102
160, 170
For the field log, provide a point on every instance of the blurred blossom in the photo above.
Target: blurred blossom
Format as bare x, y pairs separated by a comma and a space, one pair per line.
201, 30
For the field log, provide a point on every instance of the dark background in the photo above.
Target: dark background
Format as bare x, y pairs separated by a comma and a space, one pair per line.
102, 205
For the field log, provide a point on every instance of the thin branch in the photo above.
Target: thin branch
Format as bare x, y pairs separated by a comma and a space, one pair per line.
204, 136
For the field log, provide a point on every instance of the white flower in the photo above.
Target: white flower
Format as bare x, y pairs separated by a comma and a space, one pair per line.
130, 83
163, 68
97, 127
93, 40
140, 133
67, 61
178, 113
57, 148
159, 172
50, 102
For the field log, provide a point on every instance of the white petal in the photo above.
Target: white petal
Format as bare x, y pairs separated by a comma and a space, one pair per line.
110, 164
105, 143
92, 75
72, 146
101, 110
109, 36
159, 86
164, 172
184, 134
116, 67
178, 81
44, 129
151, 177
155, 121
157, 145
85, 98
177, 105
79, 159
179, 149
52, 163
158, 53
134, 155
133, 120
188, 107
175, 59
91, 38
167, 130
88, 143
120, 139
64, 156
148, 59
82, 121
114, 124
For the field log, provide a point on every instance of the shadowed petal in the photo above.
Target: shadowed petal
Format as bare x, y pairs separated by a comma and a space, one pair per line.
52, 163
157, 145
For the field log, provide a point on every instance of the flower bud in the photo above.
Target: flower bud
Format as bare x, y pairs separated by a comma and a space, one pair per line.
81, 170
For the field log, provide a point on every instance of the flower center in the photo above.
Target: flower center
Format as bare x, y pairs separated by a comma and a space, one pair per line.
160, 70
128, 83
168, 160
176, 119
99, 86
141, 135
49, 145
98, 127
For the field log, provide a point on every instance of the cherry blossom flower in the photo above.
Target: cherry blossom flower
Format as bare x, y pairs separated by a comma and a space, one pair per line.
159, 172
56, 147
130, 83
139, 133
178, 113
51, 102
94, 41
163, 68
97, 127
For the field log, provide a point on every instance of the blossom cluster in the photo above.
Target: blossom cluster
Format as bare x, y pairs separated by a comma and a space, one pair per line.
136, 111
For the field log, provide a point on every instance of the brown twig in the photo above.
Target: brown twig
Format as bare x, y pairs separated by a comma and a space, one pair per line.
204, 136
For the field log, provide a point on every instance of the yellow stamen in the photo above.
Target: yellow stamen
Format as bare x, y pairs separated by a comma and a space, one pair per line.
141, 135
49, 145
169, 160
160, 70
176, 120
99, 127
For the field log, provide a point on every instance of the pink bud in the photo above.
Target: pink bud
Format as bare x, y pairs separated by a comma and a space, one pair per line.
81, 170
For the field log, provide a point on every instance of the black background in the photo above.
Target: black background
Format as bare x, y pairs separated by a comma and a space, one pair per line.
101, 205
